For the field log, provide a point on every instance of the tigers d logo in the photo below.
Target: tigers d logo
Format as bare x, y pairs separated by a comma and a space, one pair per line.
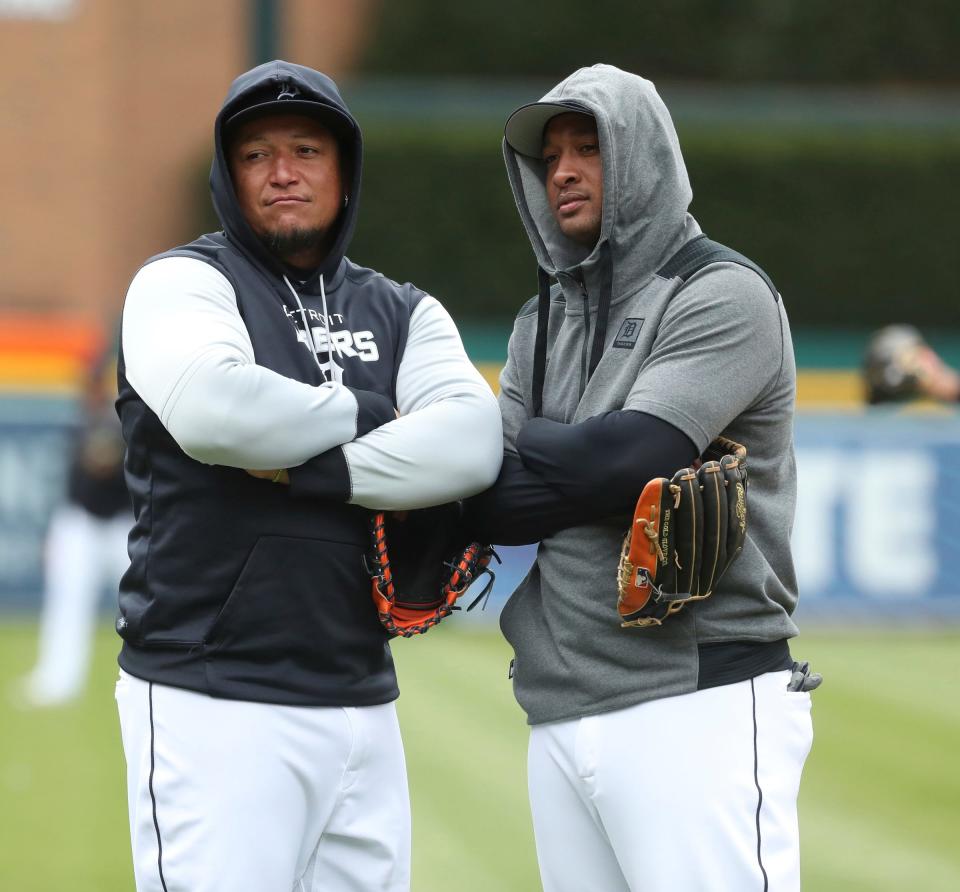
628, 334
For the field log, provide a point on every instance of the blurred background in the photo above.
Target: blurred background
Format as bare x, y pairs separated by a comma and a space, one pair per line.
823, 141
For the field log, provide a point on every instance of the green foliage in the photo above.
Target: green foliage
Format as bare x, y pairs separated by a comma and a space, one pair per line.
854, 225
878, 804
851, 224
803, 41
436, 210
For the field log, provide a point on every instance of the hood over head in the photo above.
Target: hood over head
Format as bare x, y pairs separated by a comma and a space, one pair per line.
646, 193
646, 190
280, 87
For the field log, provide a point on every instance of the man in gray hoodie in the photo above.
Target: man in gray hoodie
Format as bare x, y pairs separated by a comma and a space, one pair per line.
665, 758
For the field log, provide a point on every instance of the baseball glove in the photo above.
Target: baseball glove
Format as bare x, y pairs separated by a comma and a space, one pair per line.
420, 567
686, 531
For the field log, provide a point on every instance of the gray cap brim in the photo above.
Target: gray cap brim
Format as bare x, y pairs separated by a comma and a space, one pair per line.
524, 128
331, 118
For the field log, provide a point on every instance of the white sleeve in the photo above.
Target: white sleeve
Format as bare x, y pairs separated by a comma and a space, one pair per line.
189, 356
447, 443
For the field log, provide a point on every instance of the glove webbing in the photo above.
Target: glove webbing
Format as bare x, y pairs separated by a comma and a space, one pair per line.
462, 574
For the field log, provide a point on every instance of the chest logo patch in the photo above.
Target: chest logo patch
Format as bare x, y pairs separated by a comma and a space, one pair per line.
628, 334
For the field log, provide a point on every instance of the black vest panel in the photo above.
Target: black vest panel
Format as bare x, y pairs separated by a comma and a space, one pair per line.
235, 588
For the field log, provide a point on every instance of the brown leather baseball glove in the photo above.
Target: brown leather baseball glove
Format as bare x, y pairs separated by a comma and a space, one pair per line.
686, 531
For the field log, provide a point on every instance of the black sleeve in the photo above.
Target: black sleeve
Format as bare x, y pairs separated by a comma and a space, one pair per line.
373, 410
327, 476
520, 508
571, 474
603, 463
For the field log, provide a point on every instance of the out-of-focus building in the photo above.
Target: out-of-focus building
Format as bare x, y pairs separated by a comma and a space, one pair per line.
106, 122
106, 126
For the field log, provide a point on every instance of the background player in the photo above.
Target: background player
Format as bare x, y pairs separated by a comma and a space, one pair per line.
255, 697
85, 552
900, 365
665, 758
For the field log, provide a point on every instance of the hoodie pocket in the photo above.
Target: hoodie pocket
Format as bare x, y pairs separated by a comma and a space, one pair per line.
303, 605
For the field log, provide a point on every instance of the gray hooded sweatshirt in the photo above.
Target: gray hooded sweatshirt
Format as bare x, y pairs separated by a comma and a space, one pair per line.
710, 356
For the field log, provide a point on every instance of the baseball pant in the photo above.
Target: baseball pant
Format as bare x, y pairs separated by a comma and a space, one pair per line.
84, 555
234, 796
682, 794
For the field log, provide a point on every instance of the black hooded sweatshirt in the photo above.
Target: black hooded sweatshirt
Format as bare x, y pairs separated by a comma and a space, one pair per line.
239, 588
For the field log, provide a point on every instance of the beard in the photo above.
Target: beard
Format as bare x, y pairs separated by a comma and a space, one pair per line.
293, 242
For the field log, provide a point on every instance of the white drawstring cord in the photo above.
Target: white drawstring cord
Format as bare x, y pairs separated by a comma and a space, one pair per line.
333, 372
338, 374
306, 323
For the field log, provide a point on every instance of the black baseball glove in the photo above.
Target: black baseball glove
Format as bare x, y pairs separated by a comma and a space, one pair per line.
421, 564
686, 531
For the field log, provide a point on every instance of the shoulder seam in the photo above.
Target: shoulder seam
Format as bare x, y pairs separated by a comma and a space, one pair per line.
187, 254
529, 308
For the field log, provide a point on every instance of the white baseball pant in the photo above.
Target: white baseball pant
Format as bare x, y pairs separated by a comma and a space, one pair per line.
234, 796
684, 794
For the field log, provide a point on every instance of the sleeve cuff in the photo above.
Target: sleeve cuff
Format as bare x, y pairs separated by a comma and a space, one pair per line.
325, 476
375, 410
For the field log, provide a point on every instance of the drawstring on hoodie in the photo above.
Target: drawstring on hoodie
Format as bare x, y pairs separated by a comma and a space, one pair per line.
540, 348
605, 289
335, 370
332, 372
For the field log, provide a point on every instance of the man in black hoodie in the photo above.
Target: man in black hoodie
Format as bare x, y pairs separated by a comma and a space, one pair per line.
272, 393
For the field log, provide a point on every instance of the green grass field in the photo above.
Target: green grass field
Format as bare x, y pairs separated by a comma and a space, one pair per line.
879, 810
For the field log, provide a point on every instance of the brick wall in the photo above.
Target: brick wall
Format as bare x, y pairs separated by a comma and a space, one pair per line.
106, 113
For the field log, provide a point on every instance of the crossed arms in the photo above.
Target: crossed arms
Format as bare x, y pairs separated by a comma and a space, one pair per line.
190, 358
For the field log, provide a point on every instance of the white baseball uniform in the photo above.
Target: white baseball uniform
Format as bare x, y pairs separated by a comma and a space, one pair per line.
713, 774
257, 709
285, 798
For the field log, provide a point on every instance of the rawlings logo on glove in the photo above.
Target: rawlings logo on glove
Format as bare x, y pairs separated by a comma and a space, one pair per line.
686, 531
420, 567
